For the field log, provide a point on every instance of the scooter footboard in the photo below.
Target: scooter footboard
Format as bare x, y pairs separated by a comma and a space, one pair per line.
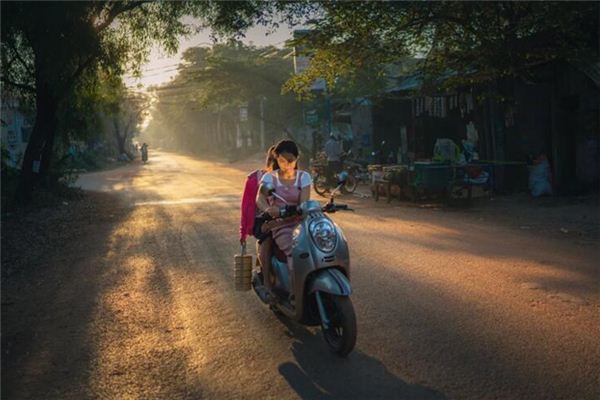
332, 281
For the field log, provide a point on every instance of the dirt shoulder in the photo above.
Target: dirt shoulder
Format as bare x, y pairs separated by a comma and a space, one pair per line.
52, 261
572, 218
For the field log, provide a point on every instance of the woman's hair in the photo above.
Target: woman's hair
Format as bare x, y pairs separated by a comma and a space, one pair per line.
284, 146
271, 159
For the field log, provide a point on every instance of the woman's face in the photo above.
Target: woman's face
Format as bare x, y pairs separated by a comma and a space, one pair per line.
287, 162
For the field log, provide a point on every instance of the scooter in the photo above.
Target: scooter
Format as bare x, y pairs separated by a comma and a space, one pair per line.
321, 267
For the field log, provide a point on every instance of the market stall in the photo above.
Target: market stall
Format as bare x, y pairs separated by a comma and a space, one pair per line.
431, 179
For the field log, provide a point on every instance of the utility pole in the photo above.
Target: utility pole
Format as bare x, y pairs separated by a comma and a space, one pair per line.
329, 116
262, 122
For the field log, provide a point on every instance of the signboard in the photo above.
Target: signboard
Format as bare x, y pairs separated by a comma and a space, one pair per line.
243, 114
311, 117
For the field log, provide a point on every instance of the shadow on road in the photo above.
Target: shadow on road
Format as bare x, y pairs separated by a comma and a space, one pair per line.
318, 374
60, 261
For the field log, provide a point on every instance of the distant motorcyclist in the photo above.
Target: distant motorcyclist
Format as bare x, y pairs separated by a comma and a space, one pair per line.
144, 152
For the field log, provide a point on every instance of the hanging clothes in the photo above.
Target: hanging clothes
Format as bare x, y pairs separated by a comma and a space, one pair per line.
443, 107
469, 101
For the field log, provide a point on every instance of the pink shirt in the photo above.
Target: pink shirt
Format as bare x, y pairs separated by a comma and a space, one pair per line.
248, 206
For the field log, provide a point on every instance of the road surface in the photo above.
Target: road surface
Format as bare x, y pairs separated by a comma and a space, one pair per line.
141, 305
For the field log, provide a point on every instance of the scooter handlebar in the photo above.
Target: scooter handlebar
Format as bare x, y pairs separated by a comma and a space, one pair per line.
289, 211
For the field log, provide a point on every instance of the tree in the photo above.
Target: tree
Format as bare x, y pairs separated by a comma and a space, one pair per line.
218, 80
462, 41
49, 46
123, 111
131, 114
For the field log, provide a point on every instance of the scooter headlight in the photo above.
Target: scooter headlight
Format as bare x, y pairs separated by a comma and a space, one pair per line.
324, 234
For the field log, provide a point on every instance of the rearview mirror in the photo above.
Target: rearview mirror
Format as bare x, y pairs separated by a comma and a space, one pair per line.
267, 189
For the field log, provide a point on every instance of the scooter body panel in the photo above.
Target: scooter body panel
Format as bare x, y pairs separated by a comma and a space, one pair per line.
331, 281
308, 261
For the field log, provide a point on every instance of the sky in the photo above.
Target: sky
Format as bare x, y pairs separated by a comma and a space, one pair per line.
161, 67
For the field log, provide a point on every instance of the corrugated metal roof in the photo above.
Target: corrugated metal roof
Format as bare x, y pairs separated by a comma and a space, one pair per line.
414, 82
400, 84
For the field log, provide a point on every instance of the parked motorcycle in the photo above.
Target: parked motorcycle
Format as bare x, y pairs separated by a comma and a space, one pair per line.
322, 181
357, 168
321, 268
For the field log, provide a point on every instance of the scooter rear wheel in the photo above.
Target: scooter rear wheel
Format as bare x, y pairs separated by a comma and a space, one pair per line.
340, 336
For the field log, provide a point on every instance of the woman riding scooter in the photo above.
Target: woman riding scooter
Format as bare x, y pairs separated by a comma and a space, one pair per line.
315, 289
292, 188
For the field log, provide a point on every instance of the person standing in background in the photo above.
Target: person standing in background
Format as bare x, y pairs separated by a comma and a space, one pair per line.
333, 150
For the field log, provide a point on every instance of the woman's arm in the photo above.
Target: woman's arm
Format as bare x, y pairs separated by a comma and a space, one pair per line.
263, 205
305, 194
261, 202
306, 183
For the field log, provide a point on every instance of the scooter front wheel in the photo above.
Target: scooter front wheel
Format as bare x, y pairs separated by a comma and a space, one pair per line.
340, 335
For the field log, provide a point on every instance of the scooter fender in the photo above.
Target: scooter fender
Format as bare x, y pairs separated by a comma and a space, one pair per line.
332, 281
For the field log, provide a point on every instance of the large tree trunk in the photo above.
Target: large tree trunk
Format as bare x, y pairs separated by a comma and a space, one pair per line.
118, 138
38, 155
121, 136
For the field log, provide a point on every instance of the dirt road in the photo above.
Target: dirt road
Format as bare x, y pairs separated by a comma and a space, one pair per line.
130, 296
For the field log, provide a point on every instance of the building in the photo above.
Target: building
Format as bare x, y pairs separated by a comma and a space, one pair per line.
15, 128
512, 120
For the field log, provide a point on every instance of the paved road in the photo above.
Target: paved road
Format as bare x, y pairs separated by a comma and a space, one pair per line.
448, 306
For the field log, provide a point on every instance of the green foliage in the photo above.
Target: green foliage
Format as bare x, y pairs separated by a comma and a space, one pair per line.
222, 78
53, 53
478, 41
231, 74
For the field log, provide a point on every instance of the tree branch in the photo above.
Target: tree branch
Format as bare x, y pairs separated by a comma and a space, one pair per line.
18, 57
117, 9
23, 86
83, 66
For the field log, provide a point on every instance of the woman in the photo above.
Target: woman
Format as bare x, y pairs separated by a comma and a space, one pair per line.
248, 207
292, 187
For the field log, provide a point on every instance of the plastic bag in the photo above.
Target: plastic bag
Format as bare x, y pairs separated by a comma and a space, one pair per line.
539, 178
445, 150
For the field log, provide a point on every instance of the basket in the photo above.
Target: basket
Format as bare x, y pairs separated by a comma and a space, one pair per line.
374, 167
242, 271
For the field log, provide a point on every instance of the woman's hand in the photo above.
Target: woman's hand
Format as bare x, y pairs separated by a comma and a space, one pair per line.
273, 211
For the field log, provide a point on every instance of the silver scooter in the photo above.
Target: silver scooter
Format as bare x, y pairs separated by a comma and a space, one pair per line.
321, 267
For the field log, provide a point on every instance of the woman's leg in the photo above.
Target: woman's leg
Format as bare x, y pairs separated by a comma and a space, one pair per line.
283, 238
264, 253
